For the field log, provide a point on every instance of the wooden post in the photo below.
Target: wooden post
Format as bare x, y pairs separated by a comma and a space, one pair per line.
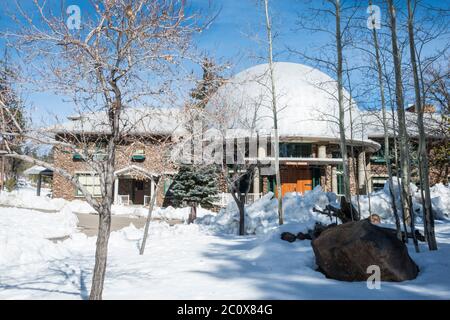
2, 174
116, 190
39, 183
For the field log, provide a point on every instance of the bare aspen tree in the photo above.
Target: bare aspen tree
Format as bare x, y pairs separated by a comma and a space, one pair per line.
339, 72
403, 134
387, 156
274, 111
120, 57
423, 155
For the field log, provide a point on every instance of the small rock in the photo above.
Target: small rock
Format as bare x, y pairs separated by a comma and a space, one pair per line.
287, 236
302, 236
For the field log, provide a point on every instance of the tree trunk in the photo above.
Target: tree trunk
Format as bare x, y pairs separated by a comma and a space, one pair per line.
101, 254
275, 115
423, 155
193, 214
385, 129
149, 215
241, 206
403, 135
343, 141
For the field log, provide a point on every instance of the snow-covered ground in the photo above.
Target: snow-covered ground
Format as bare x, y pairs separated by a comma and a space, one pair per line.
197, 261
26, 198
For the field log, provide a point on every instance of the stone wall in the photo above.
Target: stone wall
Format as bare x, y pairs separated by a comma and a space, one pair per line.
156, 160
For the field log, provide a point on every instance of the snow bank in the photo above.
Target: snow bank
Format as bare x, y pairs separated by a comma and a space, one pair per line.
168, 213
28, 200
261, 217
380, 201
25, 233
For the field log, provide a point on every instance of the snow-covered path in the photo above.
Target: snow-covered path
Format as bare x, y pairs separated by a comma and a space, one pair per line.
191, 262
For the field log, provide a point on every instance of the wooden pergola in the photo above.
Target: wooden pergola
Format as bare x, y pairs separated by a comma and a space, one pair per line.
39, 172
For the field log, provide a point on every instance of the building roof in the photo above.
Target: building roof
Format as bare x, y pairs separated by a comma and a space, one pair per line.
306, 97
143, 121
373, 124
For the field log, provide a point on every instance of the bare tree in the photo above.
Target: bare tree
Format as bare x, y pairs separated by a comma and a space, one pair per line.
403, 134
331, 56
274, 110
423, 154
122, 56
387, 156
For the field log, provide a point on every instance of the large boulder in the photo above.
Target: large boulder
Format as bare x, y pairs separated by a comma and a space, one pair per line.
345, 251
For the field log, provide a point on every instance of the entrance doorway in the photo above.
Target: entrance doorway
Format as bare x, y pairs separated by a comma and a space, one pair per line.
295, 179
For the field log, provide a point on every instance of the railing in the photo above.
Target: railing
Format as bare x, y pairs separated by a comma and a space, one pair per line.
123, 200
225, 198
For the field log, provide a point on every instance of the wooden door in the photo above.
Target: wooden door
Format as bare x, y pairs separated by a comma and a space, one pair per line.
138, 192
295, 179
304, 182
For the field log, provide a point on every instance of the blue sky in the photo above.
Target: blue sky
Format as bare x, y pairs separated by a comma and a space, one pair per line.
229, 38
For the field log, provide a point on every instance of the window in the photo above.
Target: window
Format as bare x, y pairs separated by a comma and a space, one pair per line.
167, 183
100, 152
315, 177
340, 179
378, 157
91, 182
295, 150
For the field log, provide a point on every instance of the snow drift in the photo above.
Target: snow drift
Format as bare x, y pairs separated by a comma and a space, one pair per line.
381, 202
262, 216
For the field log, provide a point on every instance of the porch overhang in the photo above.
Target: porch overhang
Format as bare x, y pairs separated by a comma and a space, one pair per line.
147, 173
299, 161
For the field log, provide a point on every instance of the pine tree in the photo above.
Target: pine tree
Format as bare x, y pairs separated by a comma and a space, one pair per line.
195, 186
198, 184
208, 85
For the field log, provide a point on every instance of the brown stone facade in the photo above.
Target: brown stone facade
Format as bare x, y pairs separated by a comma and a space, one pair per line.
156, 161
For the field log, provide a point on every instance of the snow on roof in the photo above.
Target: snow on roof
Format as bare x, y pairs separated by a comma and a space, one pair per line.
34, 170
373, 123
133, 121
306, 98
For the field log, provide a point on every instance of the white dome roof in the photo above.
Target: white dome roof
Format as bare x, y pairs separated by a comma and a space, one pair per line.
306, 98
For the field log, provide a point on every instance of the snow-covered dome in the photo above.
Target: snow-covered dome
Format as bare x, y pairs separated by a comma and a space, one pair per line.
306, 98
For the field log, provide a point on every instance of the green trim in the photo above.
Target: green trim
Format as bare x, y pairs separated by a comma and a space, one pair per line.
77, 157
377, 159
138, 157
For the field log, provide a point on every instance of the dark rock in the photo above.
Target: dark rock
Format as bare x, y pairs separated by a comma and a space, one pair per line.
345, 251
287, 236
302, 236
319, 228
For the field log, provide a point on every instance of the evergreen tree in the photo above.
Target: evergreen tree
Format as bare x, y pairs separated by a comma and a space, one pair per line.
195, 186
208, 85
198, 185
